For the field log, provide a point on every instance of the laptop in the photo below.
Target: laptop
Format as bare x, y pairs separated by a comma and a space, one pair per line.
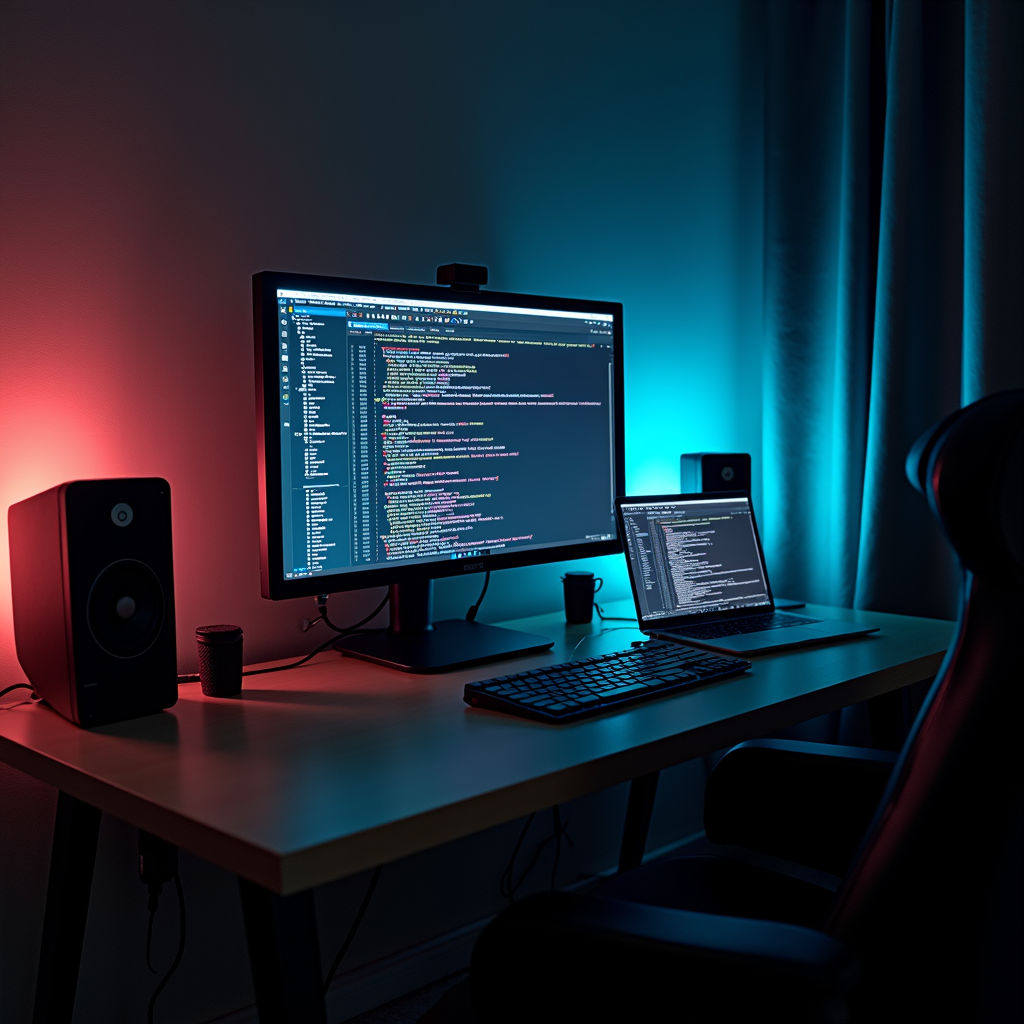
698, 576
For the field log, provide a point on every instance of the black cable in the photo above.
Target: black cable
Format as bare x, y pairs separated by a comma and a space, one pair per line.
508, 886
149, 939
330, 640
321, 607
181, 951
362, 622
508, 891
32, 698
556, 816
534, 860
194, 677
17, 686
612, 618
473, 609
590, 636
293, 664
355, 927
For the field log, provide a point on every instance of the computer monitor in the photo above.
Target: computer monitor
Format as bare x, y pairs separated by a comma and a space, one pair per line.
412, 432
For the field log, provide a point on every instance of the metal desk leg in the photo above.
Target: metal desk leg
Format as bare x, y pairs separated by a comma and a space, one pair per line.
76, 830
284, 954
638, 821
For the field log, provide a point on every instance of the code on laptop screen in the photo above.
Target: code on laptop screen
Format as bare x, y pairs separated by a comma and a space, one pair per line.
694, 557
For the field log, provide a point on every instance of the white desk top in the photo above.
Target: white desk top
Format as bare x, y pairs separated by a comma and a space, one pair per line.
323, 771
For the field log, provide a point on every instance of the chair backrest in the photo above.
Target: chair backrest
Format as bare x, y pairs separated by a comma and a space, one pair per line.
932, 903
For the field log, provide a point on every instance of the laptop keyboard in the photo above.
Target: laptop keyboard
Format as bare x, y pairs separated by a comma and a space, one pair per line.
736, 627
578, 689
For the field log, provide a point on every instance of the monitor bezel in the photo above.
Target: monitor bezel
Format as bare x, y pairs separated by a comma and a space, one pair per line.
273, 584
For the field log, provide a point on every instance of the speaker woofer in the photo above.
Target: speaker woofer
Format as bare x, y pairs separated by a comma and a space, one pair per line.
125, 610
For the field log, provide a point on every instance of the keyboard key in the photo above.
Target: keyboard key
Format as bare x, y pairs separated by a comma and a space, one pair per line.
621, 691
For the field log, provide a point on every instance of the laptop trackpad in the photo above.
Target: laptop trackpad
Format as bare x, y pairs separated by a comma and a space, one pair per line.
769, 638
834, 627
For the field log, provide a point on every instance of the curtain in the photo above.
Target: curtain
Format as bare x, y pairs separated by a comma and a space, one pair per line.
894, 277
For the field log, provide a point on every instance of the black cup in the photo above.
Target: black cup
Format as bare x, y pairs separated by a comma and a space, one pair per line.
579, 595
220, 660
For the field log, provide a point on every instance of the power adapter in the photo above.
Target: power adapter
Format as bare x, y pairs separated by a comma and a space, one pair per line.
158, 864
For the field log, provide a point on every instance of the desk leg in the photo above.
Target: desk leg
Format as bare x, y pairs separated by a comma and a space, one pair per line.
284, 954
73, 856
638, 821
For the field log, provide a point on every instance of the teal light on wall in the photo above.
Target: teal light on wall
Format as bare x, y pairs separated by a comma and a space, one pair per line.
626, 165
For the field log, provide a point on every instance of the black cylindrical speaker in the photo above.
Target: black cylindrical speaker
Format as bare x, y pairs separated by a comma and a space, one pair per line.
92, 584
220, 659
714, 471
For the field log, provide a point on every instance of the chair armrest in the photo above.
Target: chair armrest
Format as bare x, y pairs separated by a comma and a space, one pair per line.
567, 957
806, 802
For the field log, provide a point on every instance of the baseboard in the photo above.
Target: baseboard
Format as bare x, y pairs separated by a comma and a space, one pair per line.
380, 981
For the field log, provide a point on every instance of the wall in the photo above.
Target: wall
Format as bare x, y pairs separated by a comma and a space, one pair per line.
155, 156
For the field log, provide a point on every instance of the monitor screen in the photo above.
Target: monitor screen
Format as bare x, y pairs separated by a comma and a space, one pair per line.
693, 556
411, 432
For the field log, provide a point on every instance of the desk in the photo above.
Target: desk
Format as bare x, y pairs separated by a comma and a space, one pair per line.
325, 771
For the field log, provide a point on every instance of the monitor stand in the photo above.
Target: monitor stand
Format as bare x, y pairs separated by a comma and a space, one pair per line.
413, 643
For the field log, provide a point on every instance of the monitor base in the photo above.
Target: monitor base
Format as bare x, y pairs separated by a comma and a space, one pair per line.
448, 645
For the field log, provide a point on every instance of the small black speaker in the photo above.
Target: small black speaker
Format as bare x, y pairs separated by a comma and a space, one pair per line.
92, 586
714, 471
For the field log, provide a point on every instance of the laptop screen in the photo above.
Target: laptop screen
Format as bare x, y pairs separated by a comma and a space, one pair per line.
693, 556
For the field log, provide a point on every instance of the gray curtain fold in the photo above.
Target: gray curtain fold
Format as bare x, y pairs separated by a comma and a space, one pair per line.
803, 157
893, 277
903, 563
860, 188
994, 198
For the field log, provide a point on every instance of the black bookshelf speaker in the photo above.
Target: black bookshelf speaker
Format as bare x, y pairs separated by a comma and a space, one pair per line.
714, 471
92, 585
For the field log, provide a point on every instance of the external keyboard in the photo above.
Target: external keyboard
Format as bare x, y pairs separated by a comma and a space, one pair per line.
577, 689
735, 627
